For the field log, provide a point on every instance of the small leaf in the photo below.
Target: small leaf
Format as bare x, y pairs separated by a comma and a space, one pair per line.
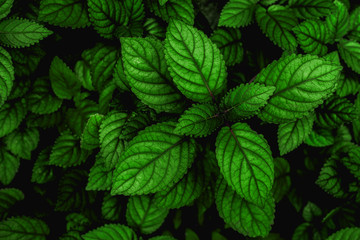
143, 215
119, 76
237, 13
199, 120
90, 137
24, 228
63, 80
21, 32
251, 172
26, 60
186, 51
350, 53
277, 22
282, 181
292, 134
111, 208
243, 216
110, 232
338, 21
42, 172
11, 115
68, 13
154, 160
174, 9
8, 198
320, 137
100, 177
353, 162
311, 8
345, 234
245, 100
310, 211
5, 8
22, 142
347, 86
6, 75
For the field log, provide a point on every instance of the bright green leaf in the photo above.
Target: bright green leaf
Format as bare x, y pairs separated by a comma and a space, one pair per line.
345, 234
110, 232
237, 13
90, 137
6, 75
350, 53
319, 137
100, 177
311, 8
174, 9
22, 142
338, 21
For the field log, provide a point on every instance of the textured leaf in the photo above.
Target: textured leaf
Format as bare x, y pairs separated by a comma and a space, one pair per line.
338, 21
277, 22
251, 172
8, 198
100, 177
11, 116
25, 228
111, 208
320, 138
237, 13
350, 53
147, 74
354, 21
83, 73
22, 142
107, 16
135, 13
243, 216
174, 9
5, 8
90, 136
68, 13
228, 41
153, 28
311, 8
6, 75
329, 179
154, 160
312, 35
199, 120
310, 211
195, 63
143, 215
66, 151
119, 76
245, 100
110, 232
63, 80
282, 181
292, 134
21, 32
353, 162
347, 86
302, 82
334, 112
345, 234
42, 172
26, 60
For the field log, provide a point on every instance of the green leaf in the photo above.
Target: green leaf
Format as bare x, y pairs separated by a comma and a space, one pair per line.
338, 21
312, 35
350, 53
42, 100
119, 76
21, 32
26, 60
63, 80
320, 137
8, 198
90, 137
143, 215
310, 211
347, 86
111, 208
302, 83
353, 162
334, 112
228, 41
311, 8
251, 172
329, 179
276, 22
100, 177
66, 151
22, 142
199, 120
11, 115
25, 228
354, 21
237, 13
243, 216
42, 172
6, 75
282, 181
186, 51
83, 73
68, 13
174, 9
5, 7
110, 232
154, 160
245, 100
147, 74
107, 16
153, 28
292, 134
345, 234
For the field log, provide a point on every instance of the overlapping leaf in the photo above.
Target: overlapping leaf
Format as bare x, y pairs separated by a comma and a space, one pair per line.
111, 207
90, 136
9, 165
311, 8
320, 137
347, 86
42, 172
302, 82
245, 161
6, 75
310, 211
154, 160
338, 21
25, 60
110, 232
143, 215
195, 63
345, 234
100, 177
8, 198
68, 13
22, 142
5, 8
243, 216
282, 181
237, 13
353, 162
174, 9
277, 22
11, 115
23, 228
350, 53
147, 74
21, 32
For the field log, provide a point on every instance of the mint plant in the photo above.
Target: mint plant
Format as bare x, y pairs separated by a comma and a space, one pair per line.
186, 119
